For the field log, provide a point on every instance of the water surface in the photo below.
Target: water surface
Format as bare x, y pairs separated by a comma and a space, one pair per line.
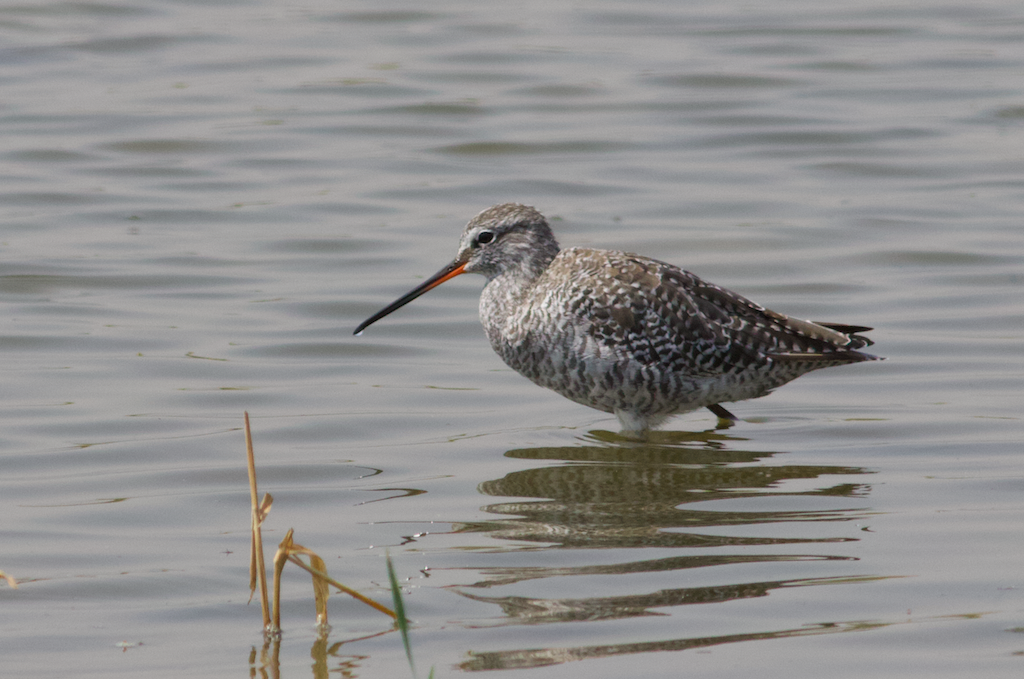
202, 200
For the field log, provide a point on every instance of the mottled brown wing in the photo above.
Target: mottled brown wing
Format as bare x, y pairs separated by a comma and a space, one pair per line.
778, 336
660, 315
646, 311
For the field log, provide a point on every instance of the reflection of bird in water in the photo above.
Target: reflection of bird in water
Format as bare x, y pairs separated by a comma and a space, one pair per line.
626, 334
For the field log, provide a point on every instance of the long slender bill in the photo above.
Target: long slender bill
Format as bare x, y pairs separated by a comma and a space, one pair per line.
445, 274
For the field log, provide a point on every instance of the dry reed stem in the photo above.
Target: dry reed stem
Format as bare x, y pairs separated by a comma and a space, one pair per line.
321, 592
342, 588
288, 550
280, 559
257, 569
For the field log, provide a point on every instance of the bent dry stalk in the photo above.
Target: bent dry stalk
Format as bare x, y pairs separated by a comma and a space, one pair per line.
288, 550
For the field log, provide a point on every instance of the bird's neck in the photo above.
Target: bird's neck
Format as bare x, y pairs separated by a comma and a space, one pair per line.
506, 296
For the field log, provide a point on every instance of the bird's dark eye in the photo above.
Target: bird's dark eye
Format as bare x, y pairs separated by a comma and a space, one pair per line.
484, 237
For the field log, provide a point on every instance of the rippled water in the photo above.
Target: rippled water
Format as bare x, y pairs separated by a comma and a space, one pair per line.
201, 200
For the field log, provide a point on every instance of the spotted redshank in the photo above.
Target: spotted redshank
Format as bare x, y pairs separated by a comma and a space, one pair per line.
626, 334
